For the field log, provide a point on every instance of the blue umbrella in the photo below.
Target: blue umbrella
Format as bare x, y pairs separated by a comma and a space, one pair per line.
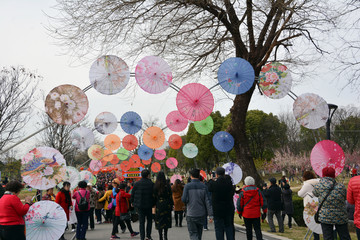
236, 75
223, 141
131, 122
144, 152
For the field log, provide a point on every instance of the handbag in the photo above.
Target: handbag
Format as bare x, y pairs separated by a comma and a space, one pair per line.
316, 216
134, 216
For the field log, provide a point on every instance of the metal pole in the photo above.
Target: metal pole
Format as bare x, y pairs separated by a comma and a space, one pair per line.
332, 107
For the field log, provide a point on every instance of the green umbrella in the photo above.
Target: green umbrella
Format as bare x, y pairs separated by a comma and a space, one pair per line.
204, 127
190, 150
122, 154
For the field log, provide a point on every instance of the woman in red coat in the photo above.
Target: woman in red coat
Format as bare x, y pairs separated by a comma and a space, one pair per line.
63, 198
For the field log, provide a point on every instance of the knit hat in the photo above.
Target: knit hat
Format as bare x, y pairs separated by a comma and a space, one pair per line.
249, 180
328, 172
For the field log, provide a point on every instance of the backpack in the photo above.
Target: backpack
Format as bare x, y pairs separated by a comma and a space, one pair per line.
83, 204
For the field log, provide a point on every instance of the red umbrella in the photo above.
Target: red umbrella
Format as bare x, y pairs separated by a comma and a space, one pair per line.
125, 166
130, 142
176, 122
135, 161
156, 167
175, 141
114, 159
146, 162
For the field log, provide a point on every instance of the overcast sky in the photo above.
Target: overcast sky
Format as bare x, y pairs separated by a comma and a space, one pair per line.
24, 41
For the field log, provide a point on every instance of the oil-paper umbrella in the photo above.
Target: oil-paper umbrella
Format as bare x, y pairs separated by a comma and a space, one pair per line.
204, 127
135, 160
105, 123
125, 166
160, 154
72, 176
144, 152
203, 174
190, 150
146, 162
327, 153
311, 207
122, 154
115, 160
153, 74
95, 165
311, 110
175, 141
153, 137
174, 177
171, 163
275, 80
88, 177
176, 122
236, 75
108, 155
223, 141
112, 142
155, 167
109, 74
66, 104
45, 220
131, 122
234, 171
82, 138
195, 101
43, 168
96, 152
130, 142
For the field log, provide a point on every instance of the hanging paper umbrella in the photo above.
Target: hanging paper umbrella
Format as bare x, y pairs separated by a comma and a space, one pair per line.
122, 154
195, 101
147, 162
66, 104
234, 171
114, 159
190, 150
112, 142
45, 220
130, 142
95, 165
275, 80
327, 153
176, 122
72, 176
155, 167
171, 163
125, 165
88, 177
144, 152
153, 74
96, 152
43, 168
108, 155
174, 177
203, 174
311, 207
131, 122
82, 138
223, 141
153, 137
105, 123
311, 110
204, 127
175, 141
109, 74
160, 154
135, 161
236, 75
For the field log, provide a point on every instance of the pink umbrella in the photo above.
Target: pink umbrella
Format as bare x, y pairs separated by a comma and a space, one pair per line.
174, 177
176, 122
95, 165
327, 153
171, 163
195, 101
160, 154
153, 74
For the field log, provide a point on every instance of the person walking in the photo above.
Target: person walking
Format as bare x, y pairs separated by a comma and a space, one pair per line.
99, 205
249, 205
92, 205
222, 193
274, 204
142, 199
163, 205
82, 208
353, 197
106, 199
177, 191
288, 203
332, 196
198, 205
63, 198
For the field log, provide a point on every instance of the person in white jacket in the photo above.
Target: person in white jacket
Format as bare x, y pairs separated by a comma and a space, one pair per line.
305, 192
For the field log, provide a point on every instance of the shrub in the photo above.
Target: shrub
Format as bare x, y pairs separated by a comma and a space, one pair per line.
298, 210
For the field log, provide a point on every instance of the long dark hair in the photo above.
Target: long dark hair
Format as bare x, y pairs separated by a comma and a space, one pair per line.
160, 184
67, 193
177, 186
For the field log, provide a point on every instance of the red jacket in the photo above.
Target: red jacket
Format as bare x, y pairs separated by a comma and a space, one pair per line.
250, 202
124, 201
12, 210
353, 197
77, 197
61, 200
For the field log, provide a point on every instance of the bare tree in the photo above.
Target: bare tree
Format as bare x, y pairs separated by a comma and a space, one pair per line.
17, 94
196, 35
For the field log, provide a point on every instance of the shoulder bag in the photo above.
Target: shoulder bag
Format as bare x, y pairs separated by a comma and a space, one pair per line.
316, 216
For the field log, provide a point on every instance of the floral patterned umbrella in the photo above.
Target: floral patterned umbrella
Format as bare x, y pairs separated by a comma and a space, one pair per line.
82, 138
275, 80
95, 165
223, 141
234, 171
311, 207
171, 163
45, 220
153, 74
88, 177
175, 141
112, 142
72, 176
311, 110
190, 150
130, 142
160, 154
174, 177
122, 154
176, 122
105, 123
135, 160
66, 104
144, 152
131, 122
155, 167
204, 127
153, 137
43, 168
195, 101
236, 75
109, 74
96, 152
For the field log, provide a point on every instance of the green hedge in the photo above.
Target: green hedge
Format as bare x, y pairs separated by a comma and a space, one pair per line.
298, 210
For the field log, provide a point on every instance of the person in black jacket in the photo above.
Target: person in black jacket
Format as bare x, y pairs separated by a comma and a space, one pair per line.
142, 199
273, 197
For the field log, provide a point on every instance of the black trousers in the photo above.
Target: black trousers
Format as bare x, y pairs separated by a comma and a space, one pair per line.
145, 213
251, 223
12, 232
328, 231
179, 217
91, 218
289, 217
98, 215
128, 225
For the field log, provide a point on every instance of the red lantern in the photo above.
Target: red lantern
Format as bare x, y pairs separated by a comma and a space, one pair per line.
82, 168
116, 169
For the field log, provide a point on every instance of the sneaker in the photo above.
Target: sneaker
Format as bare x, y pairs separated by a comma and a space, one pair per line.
134, 234
98, 222
73, 230
114, 237
206, 229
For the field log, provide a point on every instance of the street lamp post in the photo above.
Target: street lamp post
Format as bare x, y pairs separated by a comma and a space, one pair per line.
332, 109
